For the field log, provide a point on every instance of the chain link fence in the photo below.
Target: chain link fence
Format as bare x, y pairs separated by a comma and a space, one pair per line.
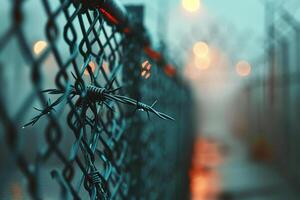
86, 67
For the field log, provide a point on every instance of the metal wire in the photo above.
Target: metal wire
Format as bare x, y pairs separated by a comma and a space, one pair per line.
89, 144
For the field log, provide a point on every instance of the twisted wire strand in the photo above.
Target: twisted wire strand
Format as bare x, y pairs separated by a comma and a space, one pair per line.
97, 94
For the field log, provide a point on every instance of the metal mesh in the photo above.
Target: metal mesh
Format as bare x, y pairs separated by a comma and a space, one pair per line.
85, 150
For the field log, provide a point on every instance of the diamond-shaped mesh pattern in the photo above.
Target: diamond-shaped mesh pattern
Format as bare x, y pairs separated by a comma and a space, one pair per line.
84, 149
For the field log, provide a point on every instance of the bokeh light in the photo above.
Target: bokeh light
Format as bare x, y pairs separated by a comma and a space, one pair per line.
201, 49
39, 46
191, 5
202, 63
105, 67
243, 68
92, 65
204, 178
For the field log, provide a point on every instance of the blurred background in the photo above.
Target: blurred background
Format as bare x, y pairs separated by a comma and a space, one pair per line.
236, 104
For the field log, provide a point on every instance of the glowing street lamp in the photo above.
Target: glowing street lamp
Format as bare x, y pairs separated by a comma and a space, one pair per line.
201, 49
243, 68
191, 5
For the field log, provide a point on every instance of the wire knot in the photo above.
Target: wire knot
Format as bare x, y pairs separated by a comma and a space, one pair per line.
141, 106
96, 93
95, 177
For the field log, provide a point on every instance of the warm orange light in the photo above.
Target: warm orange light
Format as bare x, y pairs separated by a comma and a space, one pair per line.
170, 70
198, 187
92, 65
243, 68
191, 5
201, 49
39, 46
143, 73
202, 63
147, 75
105, 67
146, 65
204, 178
